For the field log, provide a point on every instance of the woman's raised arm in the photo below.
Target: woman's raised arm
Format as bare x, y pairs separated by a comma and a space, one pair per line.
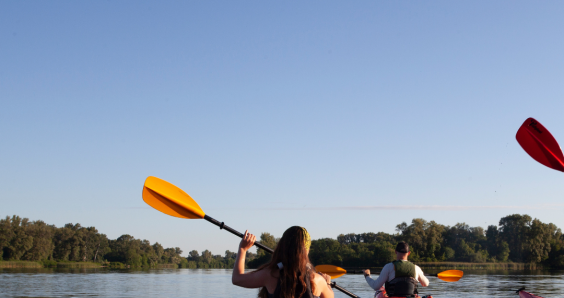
255, 279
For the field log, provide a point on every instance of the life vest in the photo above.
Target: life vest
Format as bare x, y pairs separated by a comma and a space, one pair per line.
404, 284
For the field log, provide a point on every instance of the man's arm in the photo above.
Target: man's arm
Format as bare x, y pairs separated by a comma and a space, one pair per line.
381, 280
421, 276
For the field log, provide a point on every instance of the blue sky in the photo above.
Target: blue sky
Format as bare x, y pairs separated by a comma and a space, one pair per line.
335, 116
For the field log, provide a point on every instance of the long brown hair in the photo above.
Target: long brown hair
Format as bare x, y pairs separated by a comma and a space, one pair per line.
292, 252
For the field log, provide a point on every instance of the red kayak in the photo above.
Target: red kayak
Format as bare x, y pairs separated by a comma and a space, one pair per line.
523, 294
382, 294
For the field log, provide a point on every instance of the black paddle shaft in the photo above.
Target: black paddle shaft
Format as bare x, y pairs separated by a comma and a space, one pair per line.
336, 286
222, 226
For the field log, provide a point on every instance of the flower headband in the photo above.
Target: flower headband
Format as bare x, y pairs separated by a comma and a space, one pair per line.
307, 239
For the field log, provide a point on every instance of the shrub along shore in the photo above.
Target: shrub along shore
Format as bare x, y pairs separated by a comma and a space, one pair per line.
480, 266
517, 243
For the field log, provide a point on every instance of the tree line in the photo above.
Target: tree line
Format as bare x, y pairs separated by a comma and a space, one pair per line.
517, 238
25, 240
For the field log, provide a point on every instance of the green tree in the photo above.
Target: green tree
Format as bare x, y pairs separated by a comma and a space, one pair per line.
267, 240
20, 242
503, 252
206, 256
448, 254
193, 256
414, 234
6, 235
348, 238
492, 236
42, 247
159, 251
102, 247
125, 249
514, 229
63, 243
538, 241
383, 253
326, 251
229, 254
425, 238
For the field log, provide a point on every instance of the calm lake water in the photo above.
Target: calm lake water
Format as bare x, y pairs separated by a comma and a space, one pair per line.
217, 283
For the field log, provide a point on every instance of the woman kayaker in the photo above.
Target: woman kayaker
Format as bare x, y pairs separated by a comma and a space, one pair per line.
289, 274
400, 276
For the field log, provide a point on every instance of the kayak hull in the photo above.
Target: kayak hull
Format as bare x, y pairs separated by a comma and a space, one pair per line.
382, 294
523, 294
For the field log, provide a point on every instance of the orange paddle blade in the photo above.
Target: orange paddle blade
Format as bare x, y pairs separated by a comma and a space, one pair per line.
170, 199
450, 275
537, 141
333, 271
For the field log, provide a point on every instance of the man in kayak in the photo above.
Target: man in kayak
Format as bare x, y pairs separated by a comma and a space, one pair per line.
400, 277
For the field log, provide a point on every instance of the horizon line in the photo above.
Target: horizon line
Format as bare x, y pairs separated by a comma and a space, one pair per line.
419, 207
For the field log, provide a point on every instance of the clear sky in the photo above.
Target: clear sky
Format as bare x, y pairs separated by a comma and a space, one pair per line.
341, 117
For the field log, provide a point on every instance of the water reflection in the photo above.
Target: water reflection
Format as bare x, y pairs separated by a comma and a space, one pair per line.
102, 282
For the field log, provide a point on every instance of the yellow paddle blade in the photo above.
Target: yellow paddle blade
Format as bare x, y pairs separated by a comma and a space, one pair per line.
450, 275
333, 271
170, 199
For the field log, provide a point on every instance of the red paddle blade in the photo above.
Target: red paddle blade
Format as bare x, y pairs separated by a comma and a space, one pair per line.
540, 144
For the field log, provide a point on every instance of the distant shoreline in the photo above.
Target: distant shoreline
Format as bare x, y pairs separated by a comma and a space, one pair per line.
350, 270
462, 266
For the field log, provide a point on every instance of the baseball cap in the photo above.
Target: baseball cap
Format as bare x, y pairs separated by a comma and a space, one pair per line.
402, 247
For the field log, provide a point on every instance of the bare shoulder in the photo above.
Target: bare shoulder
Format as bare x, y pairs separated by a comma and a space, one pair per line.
254, 279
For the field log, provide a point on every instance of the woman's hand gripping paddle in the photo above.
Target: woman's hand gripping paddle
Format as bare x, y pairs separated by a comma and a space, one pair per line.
173, 201
336, 272
537, 141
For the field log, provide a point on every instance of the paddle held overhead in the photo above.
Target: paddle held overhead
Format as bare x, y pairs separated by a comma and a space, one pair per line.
539, 143
173, 201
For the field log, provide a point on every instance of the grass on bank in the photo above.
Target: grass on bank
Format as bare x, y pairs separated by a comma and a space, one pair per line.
47, 264
478, 266
20, 264
67, 264
462, 266
167, 266
78, 265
